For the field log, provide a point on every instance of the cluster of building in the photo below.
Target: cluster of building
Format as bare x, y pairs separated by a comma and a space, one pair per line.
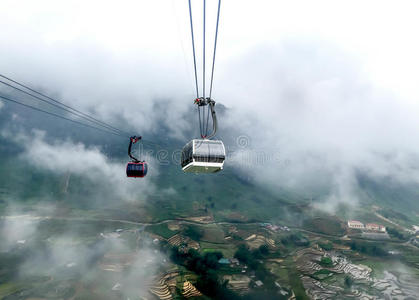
274, 227
354, 224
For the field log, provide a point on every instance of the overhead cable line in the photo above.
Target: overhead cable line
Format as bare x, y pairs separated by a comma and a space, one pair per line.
213, 60
58, 103
204, 100
60, 107
59, 116
193, 50
194, 64
215, 46
203, 68
203, 54
72, 120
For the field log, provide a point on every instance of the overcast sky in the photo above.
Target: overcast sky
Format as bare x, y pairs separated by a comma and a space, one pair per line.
331, 84
138, 44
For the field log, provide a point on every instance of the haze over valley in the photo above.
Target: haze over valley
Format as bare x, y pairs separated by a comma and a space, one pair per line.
317, 109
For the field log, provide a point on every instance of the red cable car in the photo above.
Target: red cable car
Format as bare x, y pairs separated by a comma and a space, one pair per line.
135, 168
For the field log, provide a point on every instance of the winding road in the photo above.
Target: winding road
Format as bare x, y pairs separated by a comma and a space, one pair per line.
181, 221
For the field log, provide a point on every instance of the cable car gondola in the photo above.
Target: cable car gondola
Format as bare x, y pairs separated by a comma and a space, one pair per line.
135, 168
204, 155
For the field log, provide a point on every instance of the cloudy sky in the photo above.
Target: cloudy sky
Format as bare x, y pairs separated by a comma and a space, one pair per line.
330, 86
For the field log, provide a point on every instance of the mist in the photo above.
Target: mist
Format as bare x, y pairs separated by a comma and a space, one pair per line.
316, 101
327, 102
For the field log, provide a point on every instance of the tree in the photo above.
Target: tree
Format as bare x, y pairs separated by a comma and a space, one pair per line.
256, 254
211, 259
194, 232
368, 248
326, 261
264, 249
295, 238
205, 267
243, 254
394, 232
326, 246
348, 281
174, 255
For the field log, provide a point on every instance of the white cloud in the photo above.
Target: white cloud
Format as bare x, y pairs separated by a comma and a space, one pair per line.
14, 231
124, 66
65, 250
313, 108
90, 163
18, 226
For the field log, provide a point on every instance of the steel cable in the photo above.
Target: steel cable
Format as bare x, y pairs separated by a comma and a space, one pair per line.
65, 107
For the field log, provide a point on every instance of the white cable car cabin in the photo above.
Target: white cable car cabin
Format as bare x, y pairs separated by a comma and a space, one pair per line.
203, 156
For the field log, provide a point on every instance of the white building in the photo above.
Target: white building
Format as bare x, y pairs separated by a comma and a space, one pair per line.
375, 227
355, 224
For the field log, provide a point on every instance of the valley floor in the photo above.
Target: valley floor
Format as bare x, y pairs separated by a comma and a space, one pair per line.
68, 257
